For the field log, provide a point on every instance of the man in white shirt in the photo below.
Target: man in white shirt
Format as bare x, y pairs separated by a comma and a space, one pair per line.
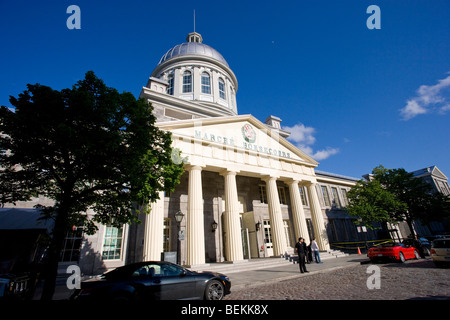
315, 251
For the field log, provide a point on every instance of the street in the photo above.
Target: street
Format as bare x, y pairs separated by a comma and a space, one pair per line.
415, 279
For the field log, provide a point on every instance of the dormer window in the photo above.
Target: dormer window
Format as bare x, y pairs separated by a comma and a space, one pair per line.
206, 83
187, 82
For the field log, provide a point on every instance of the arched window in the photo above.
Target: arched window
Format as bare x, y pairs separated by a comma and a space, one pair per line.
170, 87
187, 81
222, 89
206, 83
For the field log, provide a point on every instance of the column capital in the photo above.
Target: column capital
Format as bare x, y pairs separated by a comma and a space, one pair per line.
308, 183
190, 167
226, 172
292, 181
267, 178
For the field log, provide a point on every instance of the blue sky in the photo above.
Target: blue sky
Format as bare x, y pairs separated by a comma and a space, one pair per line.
353, 97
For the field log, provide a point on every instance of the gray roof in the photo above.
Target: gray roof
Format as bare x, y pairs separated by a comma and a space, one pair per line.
193, 48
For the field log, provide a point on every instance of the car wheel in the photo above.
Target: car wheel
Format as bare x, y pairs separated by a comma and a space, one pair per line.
416, 254
214, 290
401, 257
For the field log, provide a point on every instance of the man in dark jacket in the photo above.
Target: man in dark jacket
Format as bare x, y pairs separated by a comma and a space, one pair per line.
300, 248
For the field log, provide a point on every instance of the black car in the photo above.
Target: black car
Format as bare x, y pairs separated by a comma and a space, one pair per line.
421, 244
154, 280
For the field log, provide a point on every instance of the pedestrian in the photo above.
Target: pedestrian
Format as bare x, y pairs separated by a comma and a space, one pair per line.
300, 248
315, 250
308, 254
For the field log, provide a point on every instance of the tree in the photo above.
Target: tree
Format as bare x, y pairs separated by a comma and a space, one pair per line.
421, 202
372, 203
88, 147
394, 195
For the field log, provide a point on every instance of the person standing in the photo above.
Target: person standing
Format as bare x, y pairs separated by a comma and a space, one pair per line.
315, 250
300, 247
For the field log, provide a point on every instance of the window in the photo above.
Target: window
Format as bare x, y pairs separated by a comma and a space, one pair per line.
262, 194
326, 197
112, 245
336, 201
287, 233
72, 245
303, 195
222, 89
187, 82
282, 195
344, 197
170, 87
166, 235
206, 83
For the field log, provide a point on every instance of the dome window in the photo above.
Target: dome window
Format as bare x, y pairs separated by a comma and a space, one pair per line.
187, 82
206, 83
170, 87
222, 89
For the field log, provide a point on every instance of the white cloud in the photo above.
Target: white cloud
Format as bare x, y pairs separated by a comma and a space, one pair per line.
429, 99
303, 138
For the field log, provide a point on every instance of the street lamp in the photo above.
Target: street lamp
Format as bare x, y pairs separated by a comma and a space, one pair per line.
178, 218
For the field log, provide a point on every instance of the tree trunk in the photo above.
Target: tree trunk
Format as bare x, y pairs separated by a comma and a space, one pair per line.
55, 247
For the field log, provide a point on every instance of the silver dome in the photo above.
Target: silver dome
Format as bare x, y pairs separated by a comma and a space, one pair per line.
193, 48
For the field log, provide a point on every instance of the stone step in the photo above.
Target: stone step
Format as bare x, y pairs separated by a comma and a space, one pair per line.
244, 265
324, 255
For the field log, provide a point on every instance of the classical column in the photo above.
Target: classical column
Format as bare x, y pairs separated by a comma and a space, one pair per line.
154, 229
232, 225
317, 218
195, 232
298, 214
276, 219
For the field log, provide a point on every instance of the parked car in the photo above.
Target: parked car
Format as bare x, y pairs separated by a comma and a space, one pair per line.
393, 251
440, 251
14, 286
421, 244
154, 280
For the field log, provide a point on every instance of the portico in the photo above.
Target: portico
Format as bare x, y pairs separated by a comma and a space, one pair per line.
230, 161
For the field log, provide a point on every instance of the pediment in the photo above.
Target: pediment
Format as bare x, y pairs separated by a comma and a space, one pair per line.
244, 133
438, 173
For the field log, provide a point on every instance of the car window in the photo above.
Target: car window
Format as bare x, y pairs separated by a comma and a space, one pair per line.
171, 270
441, 243
151, 270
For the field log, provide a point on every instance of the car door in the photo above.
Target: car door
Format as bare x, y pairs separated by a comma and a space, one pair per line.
175, 283
142, 280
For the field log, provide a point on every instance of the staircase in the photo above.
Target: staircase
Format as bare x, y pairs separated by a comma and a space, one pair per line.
261, 263
244, 265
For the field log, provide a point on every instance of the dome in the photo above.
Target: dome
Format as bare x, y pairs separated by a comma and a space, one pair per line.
194, 46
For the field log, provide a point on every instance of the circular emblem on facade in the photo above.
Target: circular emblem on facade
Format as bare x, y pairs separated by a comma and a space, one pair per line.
248, 133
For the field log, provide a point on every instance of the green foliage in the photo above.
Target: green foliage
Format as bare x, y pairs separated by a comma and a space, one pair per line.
394, 195
88, 147
371, 203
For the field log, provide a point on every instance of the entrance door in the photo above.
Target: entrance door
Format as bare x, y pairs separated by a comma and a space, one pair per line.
268, 238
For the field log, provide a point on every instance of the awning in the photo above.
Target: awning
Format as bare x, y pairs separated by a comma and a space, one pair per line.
23, 218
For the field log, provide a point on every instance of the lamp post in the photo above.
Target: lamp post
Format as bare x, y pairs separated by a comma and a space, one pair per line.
178, 218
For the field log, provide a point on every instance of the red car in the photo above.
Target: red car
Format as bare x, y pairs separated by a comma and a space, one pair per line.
393, 251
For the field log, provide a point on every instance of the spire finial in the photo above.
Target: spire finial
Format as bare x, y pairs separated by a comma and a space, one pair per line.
194, 36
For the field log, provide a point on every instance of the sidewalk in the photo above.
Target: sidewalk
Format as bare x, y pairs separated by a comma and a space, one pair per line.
240, 280
245, 279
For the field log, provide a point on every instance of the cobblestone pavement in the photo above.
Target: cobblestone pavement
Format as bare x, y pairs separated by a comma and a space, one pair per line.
415, 279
